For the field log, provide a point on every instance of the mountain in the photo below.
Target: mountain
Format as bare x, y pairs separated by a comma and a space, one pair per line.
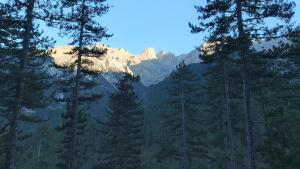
152, 67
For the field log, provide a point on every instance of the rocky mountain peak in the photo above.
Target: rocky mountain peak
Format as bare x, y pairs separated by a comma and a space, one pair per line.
148, 54
151, 67
165, 54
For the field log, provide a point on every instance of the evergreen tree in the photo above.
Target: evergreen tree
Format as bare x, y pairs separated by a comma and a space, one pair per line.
219, 92
185, 136
122, 129
7, 31
78, 20
44, 151
89, 82
294, 157
21, 55
245, 21
65, 129
279, 103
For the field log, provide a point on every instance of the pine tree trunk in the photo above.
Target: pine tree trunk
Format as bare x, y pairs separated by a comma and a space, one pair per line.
11, 148
184, 139
248, 124
225, 138
150, 143
243, 41
228, 123
39, 151
39, 165
266, 123
74, 110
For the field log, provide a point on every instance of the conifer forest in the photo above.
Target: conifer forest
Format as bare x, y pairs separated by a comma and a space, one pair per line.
231, 103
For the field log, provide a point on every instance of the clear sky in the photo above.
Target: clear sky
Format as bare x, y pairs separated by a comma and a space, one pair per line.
161, 24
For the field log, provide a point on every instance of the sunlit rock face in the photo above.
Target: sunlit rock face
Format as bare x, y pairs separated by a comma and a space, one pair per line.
115, 60
152, 67
148, 54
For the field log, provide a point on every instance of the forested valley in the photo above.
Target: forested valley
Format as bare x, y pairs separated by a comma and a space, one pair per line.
236, 107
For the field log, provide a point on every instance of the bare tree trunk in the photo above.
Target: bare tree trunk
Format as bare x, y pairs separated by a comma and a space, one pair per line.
230, 148
75, 102
39, 155
11, 148
243, 41
39, 151
184, 139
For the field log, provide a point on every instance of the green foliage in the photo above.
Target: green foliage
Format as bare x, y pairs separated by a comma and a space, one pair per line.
183, 122
78, 19
122, 129
65, 131
21, 61
243, 22
185, 127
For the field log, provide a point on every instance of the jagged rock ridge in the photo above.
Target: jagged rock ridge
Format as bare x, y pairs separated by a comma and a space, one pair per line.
152, 67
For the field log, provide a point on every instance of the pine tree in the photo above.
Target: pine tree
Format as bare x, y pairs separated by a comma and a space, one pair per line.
65, 129
245, 21
185, 136
279, 103
78, 20
294, 157
21, 53
7, 31
88, 85
219, 95
123, 128
44, 147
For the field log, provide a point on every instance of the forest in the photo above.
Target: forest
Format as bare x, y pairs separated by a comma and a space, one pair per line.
238, 107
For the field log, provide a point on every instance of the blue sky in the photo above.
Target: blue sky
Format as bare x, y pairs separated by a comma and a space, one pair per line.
161, 24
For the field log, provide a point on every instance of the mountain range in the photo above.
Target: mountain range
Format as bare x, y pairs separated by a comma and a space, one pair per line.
152, 67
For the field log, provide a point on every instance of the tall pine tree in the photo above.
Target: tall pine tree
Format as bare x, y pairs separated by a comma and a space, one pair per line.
244, 20
79, 21
219, 97
21, 54
184, 134
122, 128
